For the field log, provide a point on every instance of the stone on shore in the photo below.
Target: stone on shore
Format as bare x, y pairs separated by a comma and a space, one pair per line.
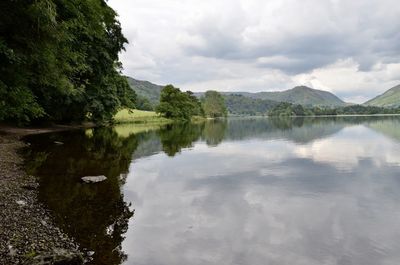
93, 179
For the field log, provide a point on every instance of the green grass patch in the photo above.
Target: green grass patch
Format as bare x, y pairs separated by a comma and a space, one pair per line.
139, 116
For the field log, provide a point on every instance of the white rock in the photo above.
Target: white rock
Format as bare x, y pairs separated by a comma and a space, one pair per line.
21, 203
12, 250
93, 179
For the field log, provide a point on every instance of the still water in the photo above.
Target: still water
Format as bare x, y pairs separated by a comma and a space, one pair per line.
241, 191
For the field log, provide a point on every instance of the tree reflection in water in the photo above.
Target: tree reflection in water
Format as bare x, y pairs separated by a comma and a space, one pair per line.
94, 214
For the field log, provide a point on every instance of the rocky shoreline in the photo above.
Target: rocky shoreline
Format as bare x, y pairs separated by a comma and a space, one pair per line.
27, 232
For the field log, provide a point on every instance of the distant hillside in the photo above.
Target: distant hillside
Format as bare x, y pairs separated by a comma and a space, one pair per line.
246, 103
241, 105
298, 95
390, 98
302, 95
145, 89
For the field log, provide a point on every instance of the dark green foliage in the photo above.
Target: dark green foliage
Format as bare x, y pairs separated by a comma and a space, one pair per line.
196, 106
288, 109
143, 103
240, 105
59, 61
321, 111
176, 104
366, 110
18, 103
214, 104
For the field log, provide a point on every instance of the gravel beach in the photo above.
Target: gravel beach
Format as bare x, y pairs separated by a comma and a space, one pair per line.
27, 233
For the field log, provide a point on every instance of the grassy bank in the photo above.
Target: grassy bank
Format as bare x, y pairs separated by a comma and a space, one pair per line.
140, 116
147, 117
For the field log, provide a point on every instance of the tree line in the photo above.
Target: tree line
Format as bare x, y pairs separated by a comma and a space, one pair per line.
289, 109
179, 105
59, 61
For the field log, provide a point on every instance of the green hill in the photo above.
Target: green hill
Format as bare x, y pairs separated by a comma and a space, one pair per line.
298, 95
145, 89
246, 103
301, 95
390, 98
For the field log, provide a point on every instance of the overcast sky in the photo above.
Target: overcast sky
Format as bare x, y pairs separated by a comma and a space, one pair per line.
349, 47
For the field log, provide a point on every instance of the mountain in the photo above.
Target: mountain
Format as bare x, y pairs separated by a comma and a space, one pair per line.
247, 102
390, 98
301, 95
146, 90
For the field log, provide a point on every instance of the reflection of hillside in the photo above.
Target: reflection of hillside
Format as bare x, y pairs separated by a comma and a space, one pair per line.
304, 130
172, 138
389, 126
301, 130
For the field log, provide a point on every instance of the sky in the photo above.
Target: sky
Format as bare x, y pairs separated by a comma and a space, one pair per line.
350, 48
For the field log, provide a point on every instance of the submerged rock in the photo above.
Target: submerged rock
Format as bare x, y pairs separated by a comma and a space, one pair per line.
94, 179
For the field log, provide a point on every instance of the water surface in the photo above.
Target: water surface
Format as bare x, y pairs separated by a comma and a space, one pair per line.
242, 191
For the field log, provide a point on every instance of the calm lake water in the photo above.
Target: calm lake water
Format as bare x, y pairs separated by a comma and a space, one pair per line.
242, 191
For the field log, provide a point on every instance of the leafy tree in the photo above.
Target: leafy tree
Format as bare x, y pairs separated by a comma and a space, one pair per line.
214, 104
176, 104
197, 108
59, 61
143, 103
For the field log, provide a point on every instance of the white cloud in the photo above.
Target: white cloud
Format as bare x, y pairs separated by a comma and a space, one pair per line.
347, 47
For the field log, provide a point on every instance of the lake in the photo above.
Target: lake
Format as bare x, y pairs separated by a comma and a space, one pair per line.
240, 191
